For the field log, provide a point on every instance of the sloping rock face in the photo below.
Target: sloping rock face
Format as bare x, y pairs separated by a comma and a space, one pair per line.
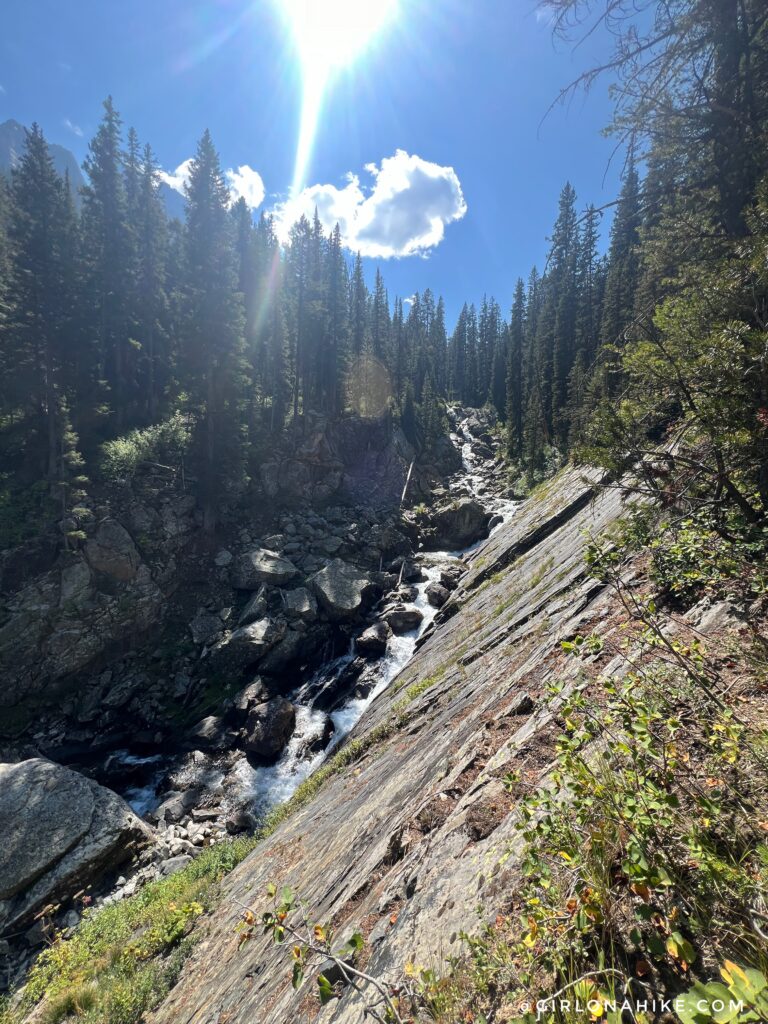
60, 830
409, 840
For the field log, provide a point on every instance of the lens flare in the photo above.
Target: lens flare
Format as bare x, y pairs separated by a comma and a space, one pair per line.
329, 35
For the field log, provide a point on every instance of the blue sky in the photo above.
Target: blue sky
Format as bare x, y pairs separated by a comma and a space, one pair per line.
451, 84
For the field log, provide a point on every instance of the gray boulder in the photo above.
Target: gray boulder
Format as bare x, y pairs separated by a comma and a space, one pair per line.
60, 832
458, 524
255, 693
213, 734
262, 566
247, 645
343, 590
256, 608
300, 604
402, 619
373, 642
437, 594
268, 728
205, 626
112, 551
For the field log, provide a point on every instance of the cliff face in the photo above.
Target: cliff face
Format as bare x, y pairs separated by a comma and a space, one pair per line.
407, 841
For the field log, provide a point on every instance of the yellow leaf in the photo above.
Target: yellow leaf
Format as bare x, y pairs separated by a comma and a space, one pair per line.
319, 933
249, 917
564, 855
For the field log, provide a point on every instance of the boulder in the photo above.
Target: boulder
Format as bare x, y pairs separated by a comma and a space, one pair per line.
300, 604
247, 645
297, 645
255, 693
268, 729
213, 734
256, 607
205, 626
458, 524
373, 642
61, 831
112, 551
343, 591
402, 619
437, 594
262, 566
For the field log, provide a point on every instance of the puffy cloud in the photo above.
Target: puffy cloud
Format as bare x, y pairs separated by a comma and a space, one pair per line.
242, 182
177, 179
404, 213
74, 128
245, 183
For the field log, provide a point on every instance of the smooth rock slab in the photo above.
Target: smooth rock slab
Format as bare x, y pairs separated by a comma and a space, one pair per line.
262, 566
60, 831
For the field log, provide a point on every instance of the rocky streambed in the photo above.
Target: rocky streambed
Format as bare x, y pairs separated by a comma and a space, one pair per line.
303, 629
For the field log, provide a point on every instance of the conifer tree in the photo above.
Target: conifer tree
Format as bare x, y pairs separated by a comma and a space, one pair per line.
107, 262
213, 342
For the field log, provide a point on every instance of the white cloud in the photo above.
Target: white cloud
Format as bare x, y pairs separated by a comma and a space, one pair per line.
74, 128
2, 90
245, 183
404, 213
177, 179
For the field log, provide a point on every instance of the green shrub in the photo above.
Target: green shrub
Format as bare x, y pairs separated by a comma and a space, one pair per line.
121, 457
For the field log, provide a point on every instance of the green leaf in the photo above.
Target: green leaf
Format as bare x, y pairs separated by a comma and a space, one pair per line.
298, 975
326, 991
716, 991
688, 1006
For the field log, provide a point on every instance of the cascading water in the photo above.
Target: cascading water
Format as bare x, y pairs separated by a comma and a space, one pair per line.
267, 786
317, 731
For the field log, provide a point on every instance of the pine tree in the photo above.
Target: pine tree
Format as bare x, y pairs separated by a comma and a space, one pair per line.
107, 259
41, 237
213, 344
623, 262
151, 240
515, 373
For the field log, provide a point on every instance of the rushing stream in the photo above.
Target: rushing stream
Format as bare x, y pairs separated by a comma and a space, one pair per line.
260, 788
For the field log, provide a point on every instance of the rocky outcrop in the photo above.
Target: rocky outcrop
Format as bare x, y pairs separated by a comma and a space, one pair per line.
56, 623
354, 458
60, 831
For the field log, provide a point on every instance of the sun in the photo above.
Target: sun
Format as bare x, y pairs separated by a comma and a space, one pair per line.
328, 35
331, 33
